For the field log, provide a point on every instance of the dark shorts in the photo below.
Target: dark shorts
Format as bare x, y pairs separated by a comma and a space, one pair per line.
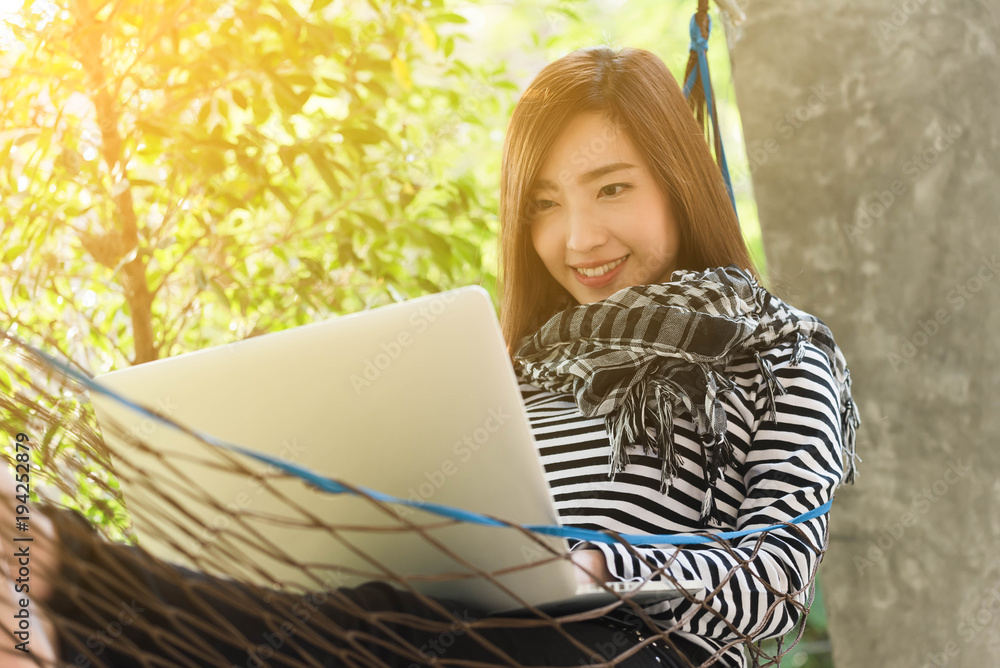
115, 606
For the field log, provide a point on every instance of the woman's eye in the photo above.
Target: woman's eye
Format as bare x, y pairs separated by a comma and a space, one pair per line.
540, 205
623, 186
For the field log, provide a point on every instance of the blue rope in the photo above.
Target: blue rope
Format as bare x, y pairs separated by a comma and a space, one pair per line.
699, 45
329, 485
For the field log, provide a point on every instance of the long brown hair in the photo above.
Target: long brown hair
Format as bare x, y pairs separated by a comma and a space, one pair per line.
638, 94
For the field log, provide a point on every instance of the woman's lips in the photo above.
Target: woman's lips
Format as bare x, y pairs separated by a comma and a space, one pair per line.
603, 279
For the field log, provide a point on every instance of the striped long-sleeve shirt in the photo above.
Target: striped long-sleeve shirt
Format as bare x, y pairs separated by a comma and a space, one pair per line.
784, 468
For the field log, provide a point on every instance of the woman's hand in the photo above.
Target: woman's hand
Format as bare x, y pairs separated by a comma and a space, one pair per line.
42, 561
593, 561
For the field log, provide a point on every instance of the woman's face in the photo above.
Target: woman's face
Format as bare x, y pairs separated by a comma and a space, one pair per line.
596, 205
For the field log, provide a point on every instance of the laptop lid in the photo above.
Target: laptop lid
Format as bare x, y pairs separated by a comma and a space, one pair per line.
415, 399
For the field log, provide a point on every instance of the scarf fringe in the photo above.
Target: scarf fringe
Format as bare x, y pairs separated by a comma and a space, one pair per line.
772, 381
710, 509
659, 399
670, 459
713, 430
798, 351
850, 420
622, 424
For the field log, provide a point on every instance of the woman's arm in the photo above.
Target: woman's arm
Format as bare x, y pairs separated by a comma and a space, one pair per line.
593, 562
794, 465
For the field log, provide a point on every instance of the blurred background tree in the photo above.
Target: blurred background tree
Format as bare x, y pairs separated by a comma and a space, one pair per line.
179, 174
186, 173
182, 174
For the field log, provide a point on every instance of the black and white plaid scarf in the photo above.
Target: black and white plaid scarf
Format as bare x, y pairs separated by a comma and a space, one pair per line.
665, 345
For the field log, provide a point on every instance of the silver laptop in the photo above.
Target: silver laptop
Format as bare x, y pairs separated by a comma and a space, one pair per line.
415, 399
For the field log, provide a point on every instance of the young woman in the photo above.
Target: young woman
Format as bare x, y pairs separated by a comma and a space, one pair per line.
667, 391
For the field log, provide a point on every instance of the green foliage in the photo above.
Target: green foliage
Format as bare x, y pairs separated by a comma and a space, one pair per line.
182, 174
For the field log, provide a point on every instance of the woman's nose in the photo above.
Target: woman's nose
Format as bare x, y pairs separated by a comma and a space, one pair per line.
583, 231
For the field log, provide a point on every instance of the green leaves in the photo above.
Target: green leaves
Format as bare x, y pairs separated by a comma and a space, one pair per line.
318, 5
289, 101
450, 17
266, 167
370, 134
324, 168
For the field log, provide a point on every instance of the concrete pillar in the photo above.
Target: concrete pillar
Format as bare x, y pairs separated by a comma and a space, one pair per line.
873, 131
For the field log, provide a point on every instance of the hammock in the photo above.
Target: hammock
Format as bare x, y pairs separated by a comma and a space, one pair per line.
116, 605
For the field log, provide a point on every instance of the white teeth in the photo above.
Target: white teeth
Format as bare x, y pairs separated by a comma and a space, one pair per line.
603, 269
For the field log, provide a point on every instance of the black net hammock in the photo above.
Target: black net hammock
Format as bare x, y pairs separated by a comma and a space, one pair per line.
244, 599
235, 597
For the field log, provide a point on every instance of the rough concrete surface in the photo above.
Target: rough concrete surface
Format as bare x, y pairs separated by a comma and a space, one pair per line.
873, 131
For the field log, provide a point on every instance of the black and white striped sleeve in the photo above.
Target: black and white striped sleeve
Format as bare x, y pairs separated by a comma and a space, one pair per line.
793, 465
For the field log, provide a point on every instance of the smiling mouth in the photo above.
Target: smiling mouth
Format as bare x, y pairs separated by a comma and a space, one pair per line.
603, 269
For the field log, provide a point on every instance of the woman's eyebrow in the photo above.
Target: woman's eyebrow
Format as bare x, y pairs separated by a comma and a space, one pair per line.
544, 184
